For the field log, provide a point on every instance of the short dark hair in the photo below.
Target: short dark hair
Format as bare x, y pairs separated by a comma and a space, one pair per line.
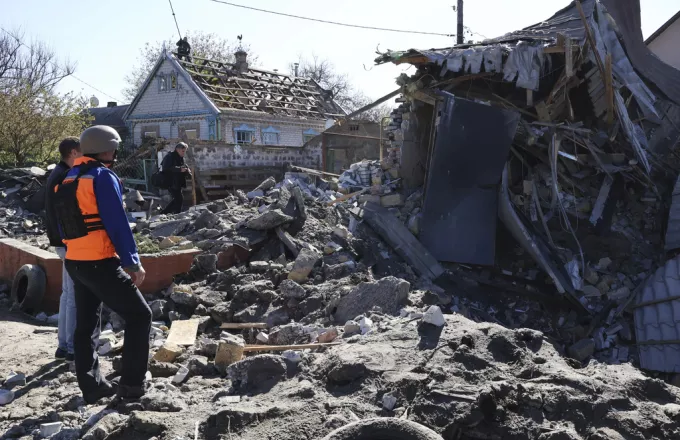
68, 145
181, 145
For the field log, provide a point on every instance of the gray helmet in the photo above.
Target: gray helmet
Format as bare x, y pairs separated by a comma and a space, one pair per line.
99, 139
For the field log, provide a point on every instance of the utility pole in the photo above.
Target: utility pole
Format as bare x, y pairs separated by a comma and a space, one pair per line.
461, 30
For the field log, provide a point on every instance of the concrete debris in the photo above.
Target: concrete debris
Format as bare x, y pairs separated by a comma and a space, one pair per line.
304, 263
434, 316
388, 294
582, 350
269, 220
15, 379
49, 429
168, 352
389, 401
6, 396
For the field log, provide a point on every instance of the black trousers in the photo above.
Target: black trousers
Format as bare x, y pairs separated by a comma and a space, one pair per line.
175, 206
105, 281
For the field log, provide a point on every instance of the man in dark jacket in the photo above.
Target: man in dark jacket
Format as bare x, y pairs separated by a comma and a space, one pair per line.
69, 149
175, 172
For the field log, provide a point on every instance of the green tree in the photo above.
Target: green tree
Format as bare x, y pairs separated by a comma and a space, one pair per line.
203, 45
32, 124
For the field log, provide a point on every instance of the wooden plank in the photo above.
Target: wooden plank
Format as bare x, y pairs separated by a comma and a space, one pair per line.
183, 332
251, 348
400, 239
569, 57
311, 171
609, 84
347, 196
243, 325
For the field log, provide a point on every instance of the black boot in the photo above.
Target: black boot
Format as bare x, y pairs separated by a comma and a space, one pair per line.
105, 389
131, 392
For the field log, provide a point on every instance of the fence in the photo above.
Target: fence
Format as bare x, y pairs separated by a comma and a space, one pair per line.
136, 165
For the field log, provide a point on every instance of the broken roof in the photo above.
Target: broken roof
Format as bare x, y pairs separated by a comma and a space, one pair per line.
111, 116
568, 23
260, 90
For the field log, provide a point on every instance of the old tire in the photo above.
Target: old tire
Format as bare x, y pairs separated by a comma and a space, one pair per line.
383, 429
28, 287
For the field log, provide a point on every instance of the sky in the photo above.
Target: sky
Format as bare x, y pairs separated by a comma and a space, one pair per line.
103, 38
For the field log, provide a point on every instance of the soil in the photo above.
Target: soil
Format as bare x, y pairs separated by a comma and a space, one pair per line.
466, 380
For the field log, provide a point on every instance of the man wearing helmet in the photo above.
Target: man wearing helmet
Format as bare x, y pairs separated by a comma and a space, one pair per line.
102, 259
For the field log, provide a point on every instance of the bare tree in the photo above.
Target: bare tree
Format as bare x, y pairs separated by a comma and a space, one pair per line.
33, 66
203, 45
345, 94
33, 117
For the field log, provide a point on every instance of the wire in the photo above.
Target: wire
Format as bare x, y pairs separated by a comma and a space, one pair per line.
21, 43
332, 22
175, 17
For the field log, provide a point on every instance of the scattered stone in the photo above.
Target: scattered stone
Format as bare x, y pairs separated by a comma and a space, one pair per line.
291, 289
162, 369
6, 396
304, 263
389, 401
159, 309
293, 356
184, 296
388, 293
181, 374
168, 229
328, 336
287, 334
259, 266
351, 328
254, 194
199, 366
49, 429
206, 263
269, 220
434, 316
267, 184
604, 263
256, 370
146, 422
591, 291
206, 220
262, 337
161, 402
619, 294
229, 351
168, 352
582, 350
390, 200
345, 373
105, 426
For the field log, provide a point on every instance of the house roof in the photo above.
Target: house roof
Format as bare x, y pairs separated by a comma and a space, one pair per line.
663, 28
111, 116
259, 90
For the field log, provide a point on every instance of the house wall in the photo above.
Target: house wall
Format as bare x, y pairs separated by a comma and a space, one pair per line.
665, 46
169, 108
210, 155
343, 151
290, 129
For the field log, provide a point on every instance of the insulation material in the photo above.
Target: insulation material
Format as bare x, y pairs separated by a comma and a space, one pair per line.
608, 42
638, 142
454, 63
529, 65
473, 60
493, 59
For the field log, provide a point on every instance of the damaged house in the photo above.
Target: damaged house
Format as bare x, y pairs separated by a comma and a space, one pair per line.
565, 131
237, 118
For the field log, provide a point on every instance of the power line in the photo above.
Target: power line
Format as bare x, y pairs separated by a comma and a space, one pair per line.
175, 17
21, 43
332, 22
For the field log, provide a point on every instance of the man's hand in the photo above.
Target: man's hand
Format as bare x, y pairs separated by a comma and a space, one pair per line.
184, 169
138, 277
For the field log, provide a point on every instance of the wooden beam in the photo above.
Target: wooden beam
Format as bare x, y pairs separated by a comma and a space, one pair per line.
373, 104
609, 88
242, 325
251, 348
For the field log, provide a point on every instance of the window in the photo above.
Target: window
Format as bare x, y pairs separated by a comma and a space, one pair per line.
173, 80
243, 136
150, 134
162, 83
270, 138
307, 137
191, 134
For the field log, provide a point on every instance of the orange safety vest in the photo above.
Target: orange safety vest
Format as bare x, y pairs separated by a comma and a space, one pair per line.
96, 245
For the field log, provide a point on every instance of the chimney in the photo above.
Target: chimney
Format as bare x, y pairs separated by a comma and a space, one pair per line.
297, 66
241, 60
111, 104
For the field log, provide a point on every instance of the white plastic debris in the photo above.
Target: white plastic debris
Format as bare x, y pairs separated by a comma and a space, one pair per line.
389, 401
292, 355
180, 375
365, 324
148, 376
263, 337
6, 396
49, 429
434, 316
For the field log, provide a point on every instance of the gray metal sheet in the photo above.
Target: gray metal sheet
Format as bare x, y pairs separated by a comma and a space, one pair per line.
461, 197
